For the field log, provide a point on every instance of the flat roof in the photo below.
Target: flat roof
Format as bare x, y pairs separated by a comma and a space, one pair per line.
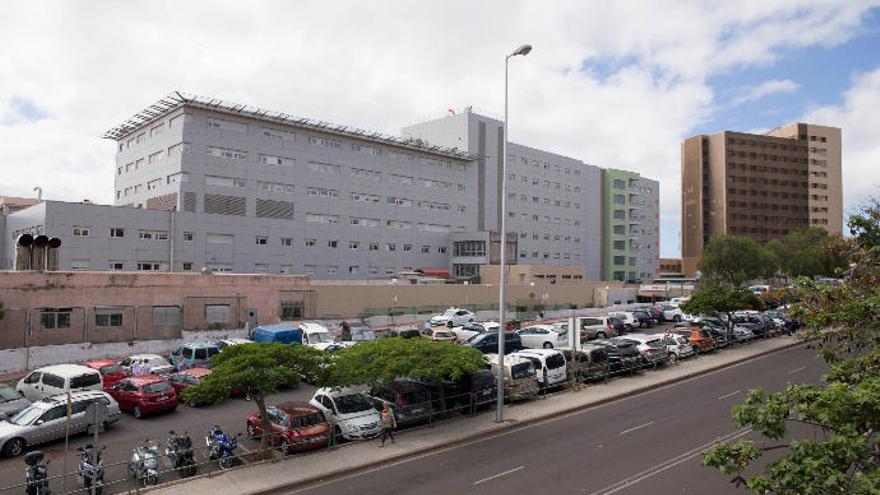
179, 99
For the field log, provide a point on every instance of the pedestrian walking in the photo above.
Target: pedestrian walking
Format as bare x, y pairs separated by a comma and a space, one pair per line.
389, 424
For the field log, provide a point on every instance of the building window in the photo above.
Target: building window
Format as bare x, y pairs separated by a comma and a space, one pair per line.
287, 241
407, 248
262, 240
374, 246
620, 245
619, 199
166, 316
187, 266
391, 246
311, 242
188, 236
261, 268
309, 269
441, 250
80, 231
149, 266
116, 265
291, 310
619, 215
354, 245
216, 313
620, 260
354, 270
619, 184
332, 244
285, 269
426, 249
157, 235
331, 269
55, 318
325, 142
108, 317
79, 264
469, 248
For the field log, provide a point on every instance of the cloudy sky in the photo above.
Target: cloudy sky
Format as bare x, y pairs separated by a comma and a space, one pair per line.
614, 83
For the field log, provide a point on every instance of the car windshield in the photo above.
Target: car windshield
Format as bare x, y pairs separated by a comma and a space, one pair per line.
111, 368
156, 387
522, 370
448, 312
442, 335
7, 394
322, 337
347, 404
27, 416
555, 361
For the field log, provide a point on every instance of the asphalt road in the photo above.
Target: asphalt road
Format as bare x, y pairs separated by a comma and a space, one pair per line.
645, 444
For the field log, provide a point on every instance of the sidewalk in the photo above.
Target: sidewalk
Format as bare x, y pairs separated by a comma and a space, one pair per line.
281, 473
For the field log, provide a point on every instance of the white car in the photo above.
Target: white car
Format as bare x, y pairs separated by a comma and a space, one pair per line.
543, 337
317, 336
465, 332
677, 346
453, 317
549, 361
678, 301
222, 344
158, 364
348, 412
650, 346
672, 313
59, 379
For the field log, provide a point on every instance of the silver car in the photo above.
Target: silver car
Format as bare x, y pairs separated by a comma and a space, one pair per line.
46, 420
10, 401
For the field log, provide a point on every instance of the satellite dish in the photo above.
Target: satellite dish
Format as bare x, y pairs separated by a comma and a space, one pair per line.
41, 241
25, 240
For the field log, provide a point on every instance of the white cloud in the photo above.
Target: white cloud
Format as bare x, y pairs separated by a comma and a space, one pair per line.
859, 118
754, 93
385, 64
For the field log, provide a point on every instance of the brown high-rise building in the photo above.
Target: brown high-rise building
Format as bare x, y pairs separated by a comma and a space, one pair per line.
759, 185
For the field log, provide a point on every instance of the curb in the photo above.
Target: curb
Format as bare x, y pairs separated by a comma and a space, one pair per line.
343, 472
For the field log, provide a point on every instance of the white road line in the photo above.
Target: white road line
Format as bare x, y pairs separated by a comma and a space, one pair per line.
796, 370
670, 463
505, 473
729, 395
634, 428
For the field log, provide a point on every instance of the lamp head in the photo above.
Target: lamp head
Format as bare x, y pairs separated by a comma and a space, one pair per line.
523, 50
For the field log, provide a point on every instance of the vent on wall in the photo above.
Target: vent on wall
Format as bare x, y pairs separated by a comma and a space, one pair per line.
166, 202
224, 205
268, 208
189, 201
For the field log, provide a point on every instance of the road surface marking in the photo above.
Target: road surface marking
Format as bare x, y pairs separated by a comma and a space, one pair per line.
505, 473
729, 395
634, 428
796, 370
670, 463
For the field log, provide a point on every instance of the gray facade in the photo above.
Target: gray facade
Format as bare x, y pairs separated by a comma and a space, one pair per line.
646, 209
554, 202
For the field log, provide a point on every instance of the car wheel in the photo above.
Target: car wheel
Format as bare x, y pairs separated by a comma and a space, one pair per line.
13, 448
676, 318
628, 327
107, 425
252, 431
449, 324
285, 448
136, 411
673, 358
601, 335
547, 345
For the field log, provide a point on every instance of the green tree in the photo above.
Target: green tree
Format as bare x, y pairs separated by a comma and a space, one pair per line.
735, 260
842, 455
382, 361
258, 370
807, 253
715, 298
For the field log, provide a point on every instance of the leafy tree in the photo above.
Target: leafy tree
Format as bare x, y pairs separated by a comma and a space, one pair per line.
735, 260
256, 369
715, 299
842, 456
807, 253
382, 361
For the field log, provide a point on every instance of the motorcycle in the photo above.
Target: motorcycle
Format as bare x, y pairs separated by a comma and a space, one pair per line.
180, 453
91, 468
221, 447
37, 475
144, 464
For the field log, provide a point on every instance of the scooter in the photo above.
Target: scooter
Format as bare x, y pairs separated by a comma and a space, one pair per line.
144, 464
221, 447
180, 453
91, 469
37, 475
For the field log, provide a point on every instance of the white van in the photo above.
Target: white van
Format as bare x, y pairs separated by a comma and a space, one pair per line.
58, 379
520, 379
550, 361
316, 335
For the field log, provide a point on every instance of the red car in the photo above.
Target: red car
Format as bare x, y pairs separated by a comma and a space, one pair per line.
296, 426
111, 372
188, 378
144, 395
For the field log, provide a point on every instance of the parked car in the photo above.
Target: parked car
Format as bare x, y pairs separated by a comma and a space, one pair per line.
617, 324
718, 332
58, 379
542, 337
188, 378
698, 337
442, 334
224, 343
110, 371
652, 348
349, 413
158, 364
520, 378
194, 354
144, 395
629, 319
678, 301
646, 320
46, 420
295, 426
550, 365
656, 313
672, 313
475, 390
410, 401
10, 401
590, 362
453, 317
754, 323
623, 355
283, 333
405, 333
596, 327
359, 332
678, 346
316, 335
488, 342
468, 330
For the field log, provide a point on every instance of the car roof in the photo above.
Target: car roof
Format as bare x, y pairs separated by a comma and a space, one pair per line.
297, 408
196, 372
99, 363
145, 379
145, 356
66, 369
337, 392
541, 352
313, 327
199, 345
81, 394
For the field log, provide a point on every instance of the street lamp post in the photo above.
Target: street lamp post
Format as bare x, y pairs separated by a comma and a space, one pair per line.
499, 410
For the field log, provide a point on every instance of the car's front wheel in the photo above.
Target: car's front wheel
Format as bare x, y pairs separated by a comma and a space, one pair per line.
251, 431
548, 345
676, 318
601, 335
136, 411
13, 448
285, 448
